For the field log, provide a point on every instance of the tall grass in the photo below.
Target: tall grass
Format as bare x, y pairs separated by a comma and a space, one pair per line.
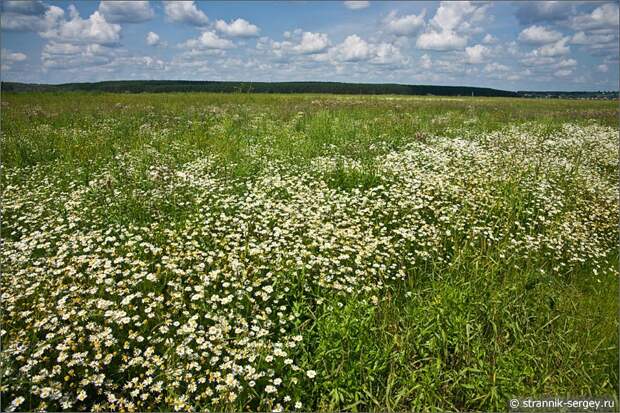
419, 253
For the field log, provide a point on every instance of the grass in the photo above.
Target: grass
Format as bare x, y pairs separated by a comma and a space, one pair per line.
306, 252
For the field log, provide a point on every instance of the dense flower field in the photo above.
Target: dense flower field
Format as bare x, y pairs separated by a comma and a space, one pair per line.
408, 270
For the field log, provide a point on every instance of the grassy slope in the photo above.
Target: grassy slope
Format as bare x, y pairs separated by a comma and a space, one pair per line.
465, 336
392, 117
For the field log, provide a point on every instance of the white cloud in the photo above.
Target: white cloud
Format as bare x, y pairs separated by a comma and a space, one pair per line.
539, 35
564, 63
404, 25
489, 39
312, 43
67, 55
147, 62
457, 15
476, 54
27, 7
449, 28
540, 11
445, 40
185, 12
208, 40
386, 54
98, 60
61, 48
237, 28
533, 59
12, 57
353, 49
29, 16
495, 67
95, 29
426, 62
126, 11
602, 68
558, 48
302, 43
356, 49
448, 67
152, 39
450, 14
356, 4
72, 62
581, 38
563, 72
54, 48
605, 16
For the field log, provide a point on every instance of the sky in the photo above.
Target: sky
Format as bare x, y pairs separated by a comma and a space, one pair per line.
511, 45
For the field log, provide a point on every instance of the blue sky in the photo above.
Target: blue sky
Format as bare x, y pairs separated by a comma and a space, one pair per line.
549, 45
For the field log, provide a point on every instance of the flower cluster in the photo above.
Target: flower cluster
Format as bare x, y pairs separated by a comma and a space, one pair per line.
154, 285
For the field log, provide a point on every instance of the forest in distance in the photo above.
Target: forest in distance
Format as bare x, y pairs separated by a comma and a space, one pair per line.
160, 86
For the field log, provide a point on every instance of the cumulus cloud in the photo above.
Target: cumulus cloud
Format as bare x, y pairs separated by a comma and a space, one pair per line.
61, 48
532, 59
237, 28
356, 49
300, 42
147, 62
386, 54
29, 16
356, 4
126, 11
603, 17
477, 54
558, 48
12, 57
152, 39
450, 14
451, 25
95, 29
185, 12
80, 59
25, 7
404, 25
566, 63
353, 49
440, 41
539, 35
312, 43
458, 15
581, 38
62, 56
602, 68
208, 40
531, 12
495, 67
426, 62
489, 39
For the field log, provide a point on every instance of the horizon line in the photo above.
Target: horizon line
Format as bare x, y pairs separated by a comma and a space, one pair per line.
310, 81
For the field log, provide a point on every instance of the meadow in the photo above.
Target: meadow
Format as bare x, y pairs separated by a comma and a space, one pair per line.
245, 252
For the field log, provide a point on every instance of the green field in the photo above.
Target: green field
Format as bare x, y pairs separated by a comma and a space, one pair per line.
242, 252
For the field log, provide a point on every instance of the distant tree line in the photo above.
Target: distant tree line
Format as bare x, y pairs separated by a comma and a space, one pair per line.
605, 95
158, 86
